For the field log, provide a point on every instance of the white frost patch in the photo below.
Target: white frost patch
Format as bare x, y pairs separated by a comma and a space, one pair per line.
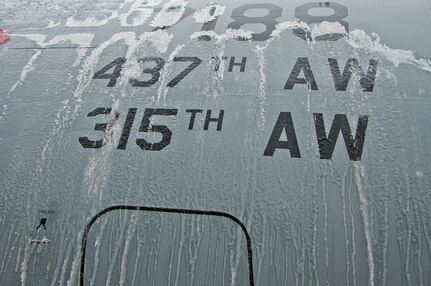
44, 240
358, 39
237, 33
137, 15
170, 14
209, 13
90, 21
52, 24
159, 39
81, 39
289, 25
146, 3
153, 2
325, 28
321, 29
229, 34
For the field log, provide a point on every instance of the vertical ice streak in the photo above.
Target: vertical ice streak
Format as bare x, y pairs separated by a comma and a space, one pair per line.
325, 228
216, 82
262, 82
353, 235
345, 205
165, 74
260, 112
97, 244
68, 251
131, 227
27, 68
363, 206
11, 240
385, 237
180, 250
409, 224
235, 256
136, 264
24, 72
24, 264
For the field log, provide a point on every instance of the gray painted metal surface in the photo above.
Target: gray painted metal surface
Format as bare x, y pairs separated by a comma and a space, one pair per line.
305, 121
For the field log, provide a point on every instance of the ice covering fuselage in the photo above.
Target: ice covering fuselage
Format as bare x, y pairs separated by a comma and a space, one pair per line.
177, 142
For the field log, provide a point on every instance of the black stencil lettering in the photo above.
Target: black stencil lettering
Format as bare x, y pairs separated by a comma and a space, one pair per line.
154, 72
284, 122
87, 143
232, 63
127, 128
42, 223
219, 120
195, 62
218, 61
341, 81
163, 129
302, 13
193, 116
327, 144
209, 26
269, 21
118, 64
304, 65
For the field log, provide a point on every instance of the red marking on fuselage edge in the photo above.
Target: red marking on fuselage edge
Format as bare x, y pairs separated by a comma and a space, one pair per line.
3, 37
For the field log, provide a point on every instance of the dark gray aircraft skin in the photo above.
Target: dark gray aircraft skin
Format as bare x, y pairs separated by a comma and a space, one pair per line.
174, 142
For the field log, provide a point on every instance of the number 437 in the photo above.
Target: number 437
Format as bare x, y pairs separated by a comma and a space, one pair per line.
118, 64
